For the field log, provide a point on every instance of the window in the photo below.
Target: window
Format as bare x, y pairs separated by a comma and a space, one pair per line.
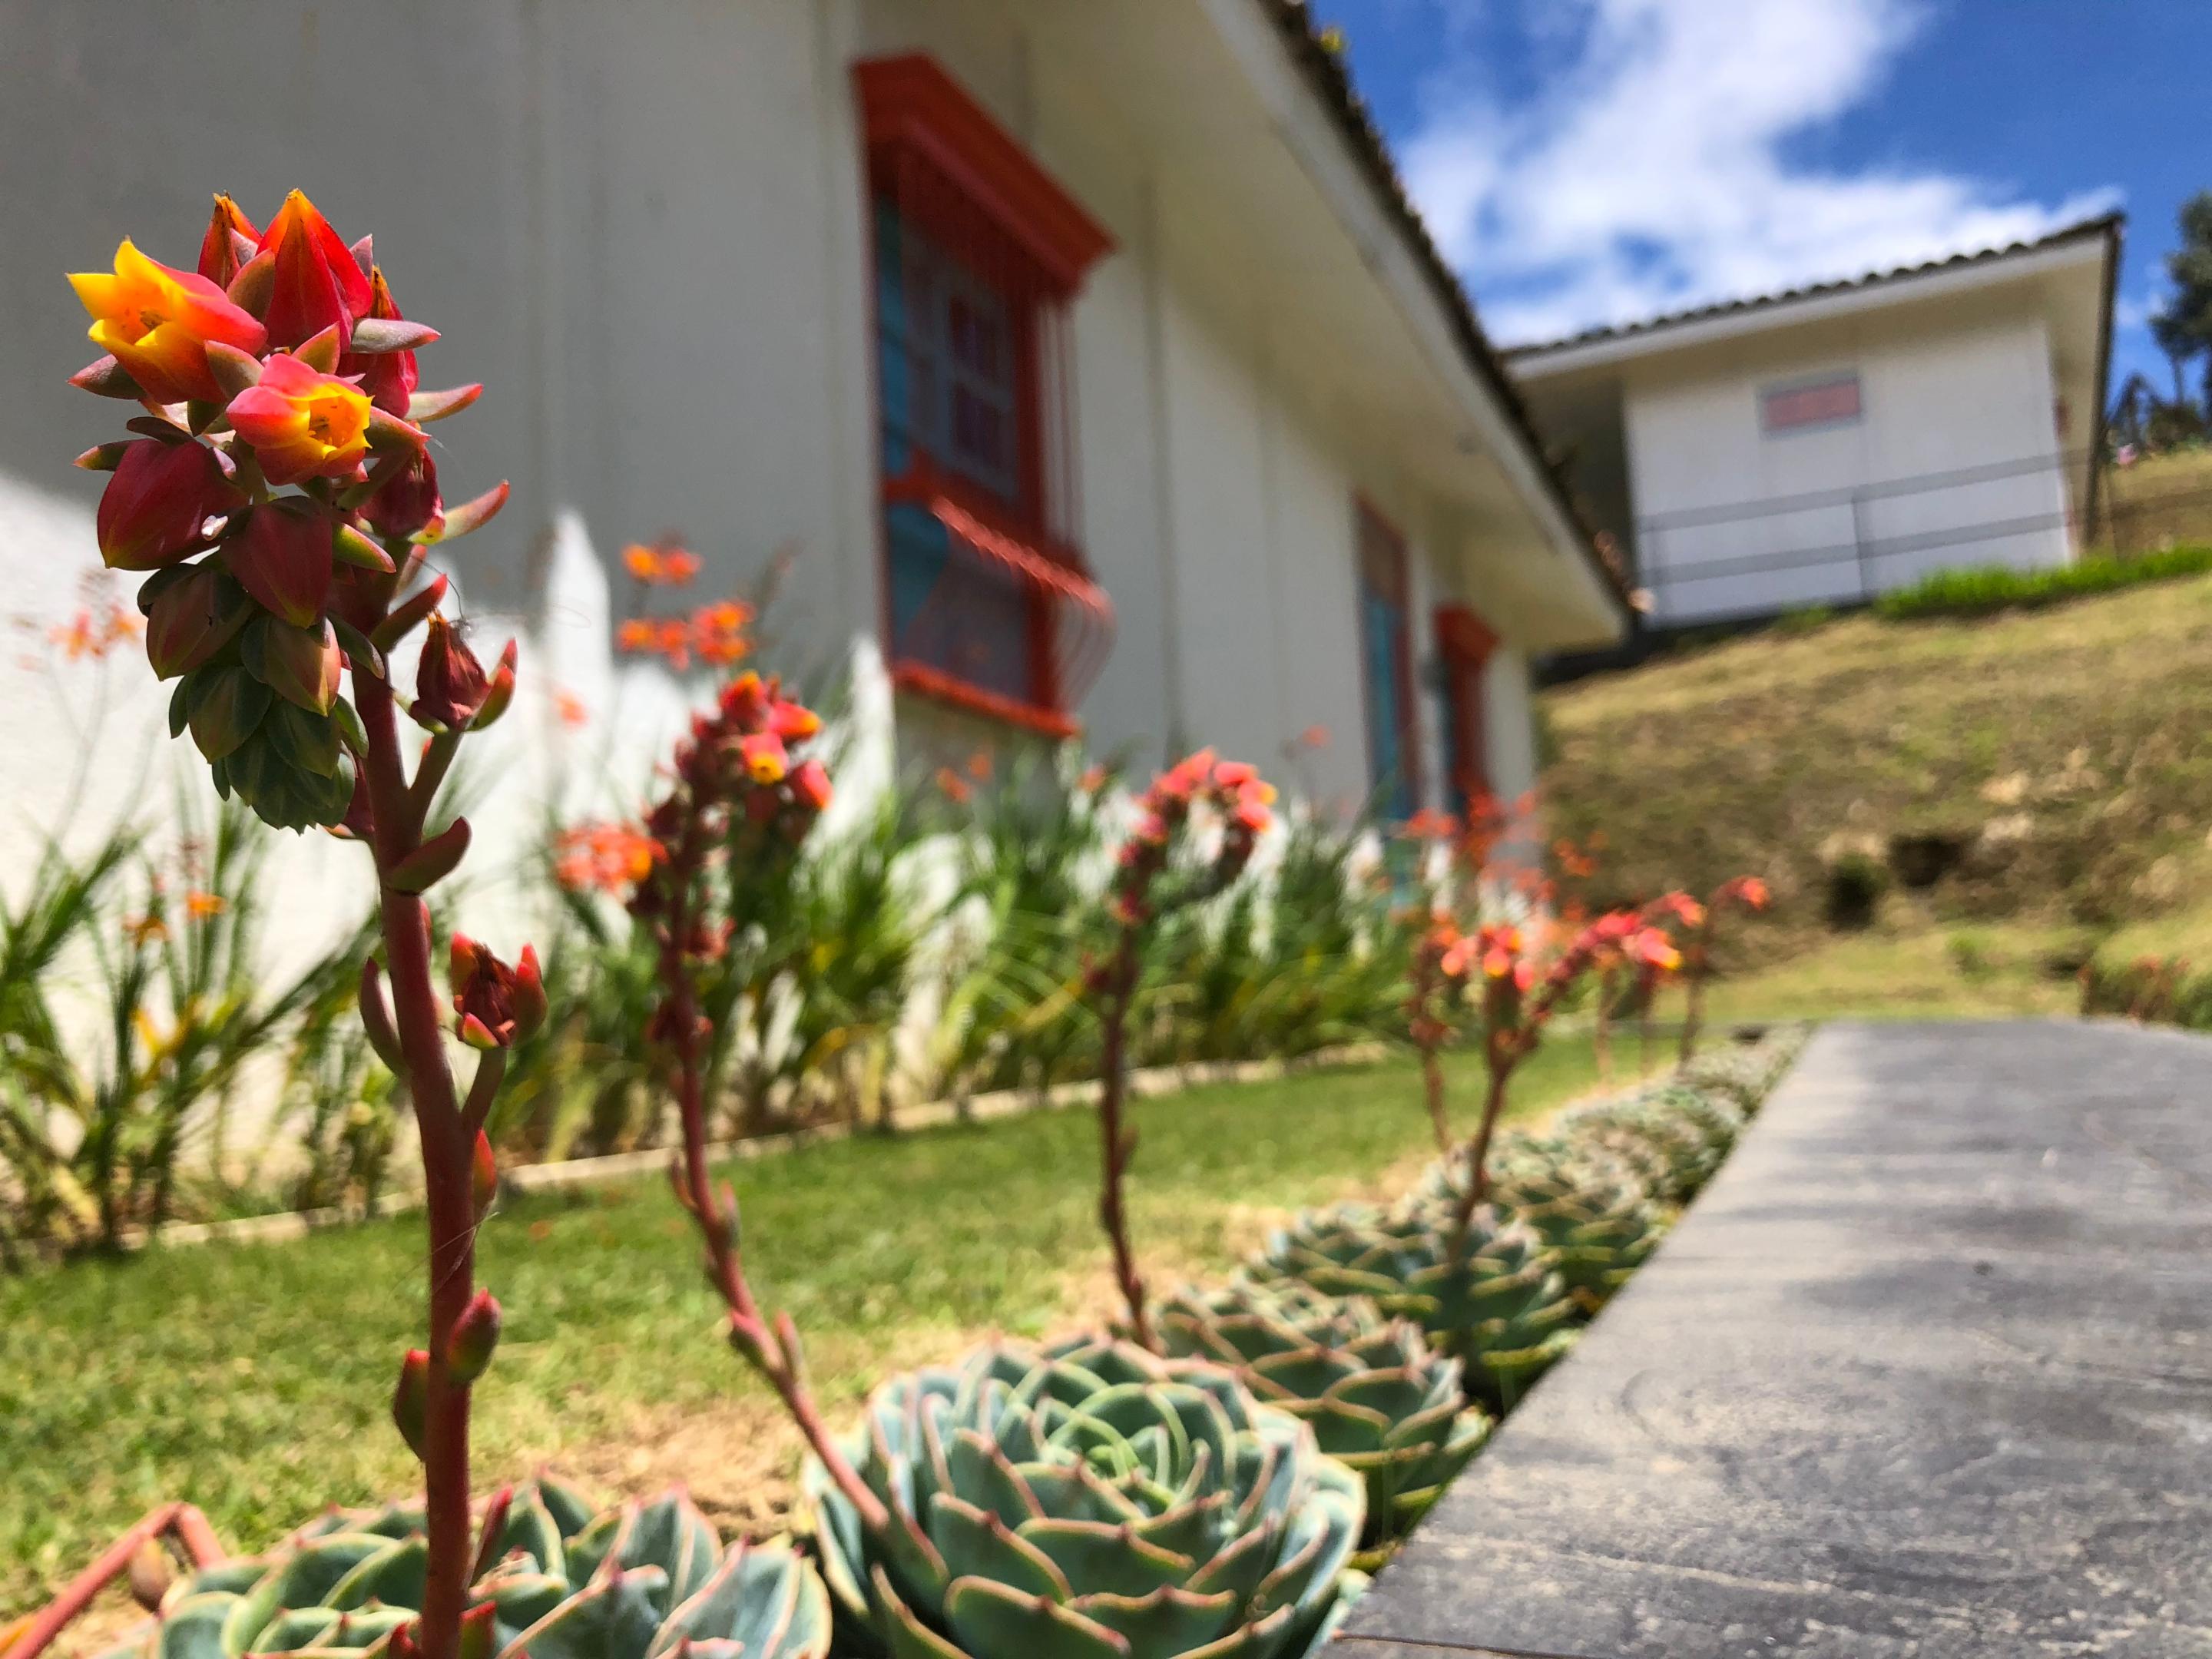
1832, 400
1464, 643
1386, 665
977, 255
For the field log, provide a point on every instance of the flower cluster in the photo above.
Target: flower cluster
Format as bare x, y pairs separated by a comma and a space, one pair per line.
281, 363
603, 857
738, 788
717, 635
663, 563
1245, 806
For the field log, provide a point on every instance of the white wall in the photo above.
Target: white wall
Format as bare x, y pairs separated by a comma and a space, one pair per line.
1940, 392
642, 228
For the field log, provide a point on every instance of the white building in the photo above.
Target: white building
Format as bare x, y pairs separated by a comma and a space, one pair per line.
1829, 444
1083, 357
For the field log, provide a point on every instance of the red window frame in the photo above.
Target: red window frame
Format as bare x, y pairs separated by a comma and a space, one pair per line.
1464, 644
970, 194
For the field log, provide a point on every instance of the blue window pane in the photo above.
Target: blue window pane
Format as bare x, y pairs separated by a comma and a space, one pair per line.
955, 611
1382, 625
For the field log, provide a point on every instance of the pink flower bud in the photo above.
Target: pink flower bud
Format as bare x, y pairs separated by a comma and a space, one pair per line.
810, 787
409, 501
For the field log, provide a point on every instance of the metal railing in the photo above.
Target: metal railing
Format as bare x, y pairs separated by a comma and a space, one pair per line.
1847, 544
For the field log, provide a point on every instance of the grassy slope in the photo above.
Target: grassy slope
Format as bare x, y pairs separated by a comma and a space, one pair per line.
252, 1380
2083, 724
2162, 500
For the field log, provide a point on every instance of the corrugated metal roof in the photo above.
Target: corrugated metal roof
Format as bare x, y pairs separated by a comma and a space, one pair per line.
2103, 225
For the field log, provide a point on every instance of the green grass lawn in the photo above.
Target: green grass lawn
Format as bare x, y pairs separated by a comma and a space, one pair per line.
252, 1380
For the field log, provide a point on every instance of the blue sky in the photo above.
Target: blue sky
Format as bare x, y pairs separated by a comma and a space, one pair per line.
1588, 161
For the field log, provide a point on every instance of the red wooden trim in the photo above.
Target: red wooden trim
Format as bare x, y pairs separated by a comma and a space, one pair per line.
923, 680
1464, 633
1466, 642
910, 101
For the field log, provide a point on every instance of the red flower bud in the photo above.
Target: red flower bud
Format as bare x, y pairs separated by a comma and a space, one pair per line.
410, 1400
192, 617
158, 498
468, 1344
764, 757
449, 684
284, 558
316, 284
498, 1005
388, 377
219, 248
408, 501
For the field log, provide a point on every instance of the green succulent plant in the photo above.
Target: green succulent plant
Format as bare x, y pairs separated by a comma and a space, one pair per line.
1594, 1212
1380, 1401
1089, 1501
1498, 1303
1746, 1073
639, 1582
1672, 1151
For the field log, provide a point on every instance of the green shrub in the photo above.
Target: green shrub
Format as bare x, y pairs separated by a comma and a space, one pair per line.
1986, 590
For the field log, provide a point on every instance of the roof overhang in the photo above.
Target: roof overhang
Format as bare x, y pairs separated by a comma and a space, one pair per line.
1281, 222
2092, 248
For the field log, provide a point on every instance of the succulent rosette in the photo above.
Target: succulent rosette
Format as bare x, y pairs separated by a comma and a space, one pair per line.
552, 1580
1498, 1303
1380, 1400
1594, 1212
1088, 1501
278, 492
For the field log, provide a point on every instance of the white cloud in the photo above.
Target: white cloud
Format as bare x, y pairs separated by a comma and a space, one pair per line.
1653, 172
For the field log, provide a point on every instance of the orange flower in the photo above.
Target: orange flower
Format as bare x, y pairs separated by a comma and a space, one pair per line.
569, 709
157, 323
1314, 737
93, 634
200, 906
302, 423
611, 858
662, 564
954, 787
766, 760
635, 636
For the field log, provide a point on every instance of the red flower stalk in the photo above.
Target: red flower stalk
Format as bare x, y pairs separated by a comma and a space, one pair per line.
1443, 959
258, 602
737, 800
1518, 999
1746, 892
1147, 885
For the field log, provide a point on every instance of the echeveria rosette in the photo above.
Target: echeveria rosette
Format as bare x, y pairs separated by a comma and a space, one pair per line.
1379, 1398
1595, 1213
1089, 1501
554, 1580
1499, 1305
281, 446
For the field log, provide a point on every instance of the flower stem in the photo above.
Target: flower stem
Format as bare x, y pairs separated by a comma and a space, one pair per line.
395, 834
1117, 1144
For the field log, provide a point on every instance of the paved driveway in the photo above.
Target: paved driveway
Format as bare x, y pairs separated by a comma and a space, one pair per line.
1927, 1371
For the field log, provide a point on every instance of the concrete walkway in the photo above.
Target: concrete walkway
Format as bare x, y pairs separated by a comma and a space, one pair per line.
1927, 1371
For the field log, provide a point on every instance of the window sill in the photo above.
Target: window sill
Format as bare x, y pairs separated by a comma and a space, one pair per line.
923, 681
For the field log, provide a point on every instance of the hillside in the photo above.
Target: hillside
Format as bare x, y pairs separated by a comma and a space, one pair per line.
2047, 770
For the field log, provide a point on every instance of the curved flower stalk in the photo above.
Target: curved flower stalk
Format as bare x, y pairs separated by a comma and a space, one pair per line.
1517, 1000
1149, 882
742, 799
1089, 1500
279, 490
1444, 961
1745, 892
